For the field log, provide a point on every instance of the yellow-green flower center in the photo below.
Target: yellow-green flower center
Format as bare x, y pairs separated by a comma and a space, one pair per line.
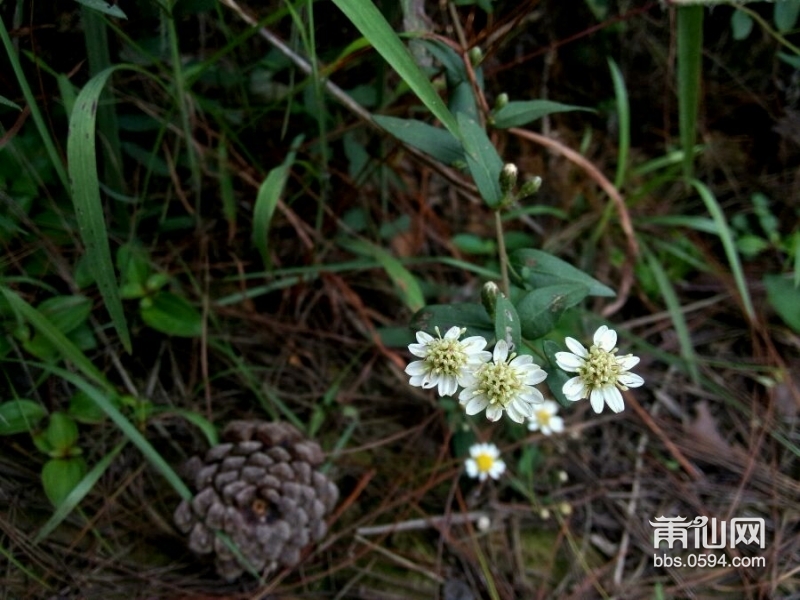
499, 382
445, 357
543, 417
601, 368
484, 462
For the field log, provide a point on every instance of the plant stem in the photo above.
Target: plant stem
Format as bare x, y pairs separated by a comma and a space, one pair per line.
501, 247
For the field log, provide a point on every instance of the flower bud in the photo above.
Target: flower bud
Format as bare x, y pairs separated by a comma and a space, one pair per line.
500, 101
489, 293
529, 188
508, 179
475, 56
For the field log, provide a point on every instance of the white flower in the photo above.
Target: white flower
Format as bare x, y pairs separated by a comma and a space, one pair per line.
446, 361
544, 419
601, 373
484, 462
504, 384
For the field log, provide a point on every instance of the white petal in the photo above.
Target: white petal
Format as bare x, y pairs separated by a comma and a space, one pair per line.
498, 468
574, 389
550, 406
534, 376
453, 333
417, 380
420, 350
416, 368
605, 338
424, 338
556, 424
494, 412
613, 399
476, 405
500, 353
632, 380
522, 360
518, 411
447, 385
598, 400
569, 362
531, 396
576, 347
474, 343
533, 424
626, 363
472, 467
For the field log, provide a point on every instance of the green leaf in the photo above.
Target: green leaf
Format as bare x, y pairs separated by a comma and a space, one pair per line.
268, 195
741, 25
407, 285
61, 433
67, 313
540, 310
436, 142
556, 378
195, 419
537, 269
785, 15
6, 102
372, 24
84, 410
60, 476
171, 314
444, 316
17, 416
112, 10
82, 166
42, 325
483, 160
77, 493
134, 268
506, 322
784, 297
519, 113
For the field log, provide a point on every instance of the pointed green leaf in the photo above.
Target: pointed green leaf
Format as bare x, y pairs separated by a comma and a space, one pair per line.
172, 314
61, 433
60, 476
519, 113
784, 297
506, 322
112, 10
433, 141
536, 269
483, 160
540, 310
17, 416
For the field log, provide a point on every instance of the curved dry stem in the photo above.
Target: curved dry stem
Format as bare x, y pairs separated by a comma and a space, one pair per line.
613, 193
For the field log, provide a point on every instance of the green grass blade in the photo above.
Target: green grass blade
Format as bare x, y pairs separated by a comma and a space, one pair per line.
675, 312
268, 195
372, 24
36, 114
44, 326
728, 243
127, 428
81, 154
74, 498
624, 116
690, 54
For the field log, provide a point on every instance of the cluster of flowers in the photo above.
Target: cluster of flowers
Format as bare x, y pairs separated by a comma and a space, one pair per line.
502, 381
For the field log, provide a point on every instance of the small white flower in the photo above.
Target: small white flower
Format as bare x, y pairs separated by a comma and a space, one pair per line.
601, 373
484, 462
545, 419
445, 360
504, 384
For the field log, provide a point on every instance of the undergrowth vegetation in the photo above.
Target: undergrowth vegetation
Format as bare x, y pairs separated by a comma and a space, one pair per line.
421, 234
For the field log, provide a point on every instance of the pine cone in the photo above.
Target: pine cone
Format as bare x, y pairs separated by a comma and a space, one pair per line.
260, 487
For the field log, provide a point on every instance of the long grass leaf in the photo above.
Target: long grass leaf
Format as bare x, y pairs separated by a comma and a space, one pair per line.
78, 493
728, 243
675, 312
268, 195
372, 24
690, 54
82, 157
53, 335
624, 117
36, 114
